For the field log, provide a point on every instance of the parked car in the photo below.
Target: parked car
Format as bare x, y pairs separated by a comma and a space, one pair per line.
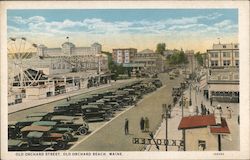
43, 115
17, 145
93, 113
46, 141
77, 124
157, 83
14, 128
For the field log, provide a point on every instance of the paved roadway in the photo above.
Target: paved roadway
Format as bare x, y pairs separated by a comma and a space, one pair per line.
111, 137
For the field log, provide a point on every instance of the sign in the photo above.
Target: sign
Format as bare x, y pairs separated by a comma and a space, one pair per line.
165, 142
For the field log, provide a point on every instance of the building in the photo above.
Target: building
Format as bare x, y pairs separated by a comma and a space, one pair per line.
123, 55
223, 55
192, 62
203, 132
146, 61
66, 68
152, 62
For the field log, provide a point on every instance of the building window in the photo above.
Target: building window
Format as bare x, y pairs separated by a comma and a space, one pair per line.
224, 46
236, 54
201, 145
226, 63
235, 46
226, 54
237, 63
214, 54
214, 63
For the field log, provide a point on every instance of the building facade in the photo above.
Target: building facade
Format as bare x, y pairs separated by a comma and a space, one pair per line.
123, 55
223, 55
69, 58
203, 132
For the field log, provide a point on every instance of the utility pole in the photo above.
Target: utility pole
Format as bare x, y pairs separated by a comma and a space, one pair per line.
183, 130
166, 128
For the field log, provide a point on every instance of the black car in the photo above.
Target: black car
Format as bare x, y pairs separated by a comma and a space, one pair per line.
93, 113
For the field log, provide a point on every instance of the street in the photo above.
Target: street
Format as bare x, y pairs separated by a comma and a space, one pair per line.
111, 137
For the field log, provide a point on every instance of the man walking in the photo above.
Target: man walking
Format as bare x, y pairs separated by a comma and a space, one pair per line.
142, 124
126, 127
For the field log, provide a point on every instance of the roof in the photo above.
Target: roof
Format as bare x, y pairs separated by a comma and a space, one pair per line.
44, 123
89, 106
69, 118
197, 121
35, 128
14, 142
38, 114
223, 128
147, 51
31, 119
35, 135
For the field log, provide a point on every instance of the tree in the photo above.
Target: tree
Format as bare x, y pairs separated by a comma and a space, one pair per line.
160, 48
199, 58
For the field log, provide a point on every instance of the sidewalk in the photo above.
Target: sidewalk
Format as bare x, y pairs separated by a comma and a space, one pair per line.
229, 143
34, 103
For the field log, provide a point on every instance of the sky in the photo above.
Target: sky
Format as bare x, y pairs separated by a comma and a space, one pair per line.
195, 29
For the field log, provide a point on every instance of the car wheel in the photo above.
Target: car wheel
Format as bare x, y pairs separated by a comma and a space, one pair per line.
66, 137
83, 131
69, 136
61, 145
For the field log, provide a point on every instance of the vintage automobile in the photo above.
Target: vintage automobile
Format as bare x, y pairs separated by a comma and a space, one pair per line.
68, 108
43, 115
17, 145
77, 124
107, 108
157, 83
49, 127
93, 113
15, 127
44, 140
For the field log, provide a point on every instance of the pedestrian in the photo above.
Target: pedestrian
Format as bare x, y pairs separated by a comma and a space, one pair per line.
208, 112
197, 110
213, 109
238, 119
211, 101
142, 124
205, 110
126, 126
229, 110
146, 124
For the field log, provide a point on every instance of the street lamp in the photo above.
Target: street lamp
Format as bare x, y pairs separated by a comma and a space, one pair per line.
167, 110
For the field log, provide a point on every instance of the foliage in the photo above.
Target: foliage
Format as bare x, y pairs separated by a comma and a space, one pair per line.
160, 48
178, 57
199, 58
116, 68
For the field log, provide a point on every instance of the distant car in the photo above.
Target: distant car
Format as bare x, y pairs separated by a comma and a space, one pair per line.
157, 83
93, 113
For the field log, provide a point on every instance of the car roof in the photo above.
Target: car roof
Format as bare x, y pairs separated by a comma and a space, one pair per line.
36, 128
44, 123
89, 106
31, 119
62, 118
38, 114
14, 142
35, 134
